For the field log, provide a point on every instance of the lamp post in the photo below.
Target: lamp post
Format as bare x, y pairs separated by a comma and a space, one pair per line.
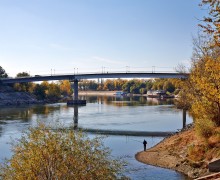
127, 69
153, 69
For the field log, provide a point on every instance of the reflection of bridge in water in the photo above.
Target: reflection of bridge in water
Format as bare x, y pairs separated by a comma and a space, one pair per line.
121, 132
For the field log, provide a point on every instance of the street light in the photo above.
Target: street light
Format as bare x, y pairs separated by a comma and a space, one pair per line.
153, 69
127, 68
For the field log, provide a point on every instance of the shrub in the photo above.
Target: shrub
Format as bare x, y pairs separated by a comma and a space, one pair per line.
204, 127
42, 153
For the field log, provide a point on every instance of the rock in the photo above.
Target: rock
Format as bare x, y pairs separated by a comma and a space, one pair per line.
214, 166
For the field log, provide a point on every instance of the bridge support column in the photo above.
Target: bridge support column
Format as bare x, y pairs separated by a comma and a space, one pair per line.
76, 94
76, 100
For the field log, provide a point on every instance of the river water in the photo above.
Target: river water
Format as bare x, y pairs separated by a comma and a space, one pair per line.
103, 113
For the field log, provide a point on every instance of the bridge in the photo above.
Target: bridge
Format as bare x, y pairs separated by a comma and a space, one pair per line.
76, 77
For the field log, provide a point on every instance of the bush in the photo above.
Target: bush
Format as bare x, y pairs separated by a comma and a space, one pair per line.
204, 127
42, 153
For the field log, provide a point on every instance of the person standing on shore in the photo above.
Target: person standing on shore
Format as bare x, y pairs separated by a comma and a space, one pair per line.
145, 144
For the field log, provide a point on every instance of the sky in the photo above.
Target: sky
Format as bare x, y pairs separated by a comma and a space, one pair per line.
63, 36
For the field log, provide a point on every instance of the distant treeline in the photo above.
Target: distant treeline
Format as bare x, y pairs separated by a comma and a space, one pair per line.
134, 86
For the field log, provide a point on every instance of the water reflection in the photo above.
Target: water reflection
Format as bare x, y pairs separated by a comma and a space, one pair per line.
53, 111
127, 100
75, 117
124, 132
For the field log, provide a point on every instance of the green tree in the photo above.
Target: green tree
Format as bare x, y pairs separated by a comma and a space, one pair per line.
39, 92
3, 74
168, 86
127, 86
135, 89
60, 154
23, 74
149, 85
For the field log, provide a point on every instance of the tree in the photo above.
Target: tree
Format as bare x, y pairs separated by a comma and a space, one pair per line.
205, 78
201, 92
25, 87
53, 92
39, 92
65, 88
127, 86
169, 86
149, 85
23, 74
109, 85
42, 153
212, 21
3, 74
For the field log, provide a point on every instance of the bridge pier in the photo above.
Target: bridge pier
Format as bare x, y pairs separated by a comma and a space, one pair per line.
76, 100
75, 86
75, 117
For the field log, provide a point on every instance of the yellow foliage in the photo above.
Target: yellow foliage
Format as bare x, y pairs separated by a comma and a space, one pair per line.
205, 90
59, 154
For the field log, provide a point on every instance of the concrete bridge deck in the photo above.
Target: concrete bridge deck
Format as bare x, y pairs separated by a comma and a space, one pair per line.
78, 76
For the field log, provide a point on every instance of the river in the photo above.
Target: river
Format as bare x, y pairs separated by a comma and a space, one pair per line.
110, 114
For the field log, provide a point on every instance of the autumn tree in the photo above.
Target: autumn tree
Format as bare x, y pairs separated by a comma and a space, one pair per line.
42, 153
201, 92
3, 74
53, 92
24, 86
109, 85
212, 21
65, 88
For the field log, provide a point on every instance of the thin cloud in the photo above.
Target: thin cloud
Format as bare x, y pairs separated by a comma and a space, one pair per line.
59, 47
101, 59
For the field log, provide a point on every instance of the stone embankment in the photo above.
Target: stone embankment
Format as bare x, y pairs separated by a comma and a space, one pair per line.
9, 97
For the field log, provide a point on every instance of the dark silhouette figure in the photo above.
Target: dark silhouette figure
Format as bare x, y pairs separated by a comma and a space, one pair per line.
145, 144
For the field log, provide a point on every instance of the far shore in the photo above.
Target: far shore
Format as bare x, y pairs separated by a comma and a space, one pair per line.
103, 93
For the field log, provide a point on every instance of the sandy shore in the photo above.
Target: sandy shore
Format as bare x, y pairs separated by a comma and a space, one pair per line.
97, 93
171, 153
104, 93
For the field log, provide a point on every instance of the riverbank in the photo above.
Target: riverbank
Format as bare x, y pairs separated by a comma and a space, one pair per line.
104, 93
173, 152
9, 97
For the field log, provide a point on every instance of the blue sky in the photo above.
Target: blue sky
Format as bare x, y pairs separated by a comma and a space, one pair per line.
39, 35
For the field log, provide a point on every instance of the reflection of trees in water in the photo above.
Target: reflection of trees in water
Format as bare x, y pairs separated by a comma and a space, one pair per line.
45, 110
127, 100
23, 113
26, 113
